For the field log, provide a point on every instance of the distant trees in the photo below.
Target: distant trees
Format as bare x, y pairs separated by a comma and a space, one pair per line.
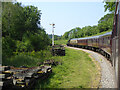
104, 24
78, 32
21, 31
56, 37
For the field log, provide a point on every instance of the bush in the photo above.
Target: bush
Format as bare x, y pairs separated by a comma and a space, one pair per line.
8, 47
22, 60
24, 46
39, 41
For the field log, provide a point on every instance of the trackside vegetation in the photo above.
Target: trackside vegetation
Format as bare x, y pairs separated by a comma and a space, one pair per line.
22, 36
21, 31
25, 43
29, 59
61, 42
76, 71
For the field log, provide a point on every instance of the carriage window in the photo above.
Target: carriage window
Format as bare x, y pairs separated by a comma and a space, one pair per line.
102, 40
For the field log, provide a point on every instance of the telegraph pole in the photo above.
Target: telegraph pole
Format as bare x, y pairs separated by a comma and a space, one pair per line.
53, 33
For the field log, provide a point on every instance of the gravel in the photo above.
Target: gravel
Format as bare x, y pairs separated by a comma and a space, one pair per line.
107, 71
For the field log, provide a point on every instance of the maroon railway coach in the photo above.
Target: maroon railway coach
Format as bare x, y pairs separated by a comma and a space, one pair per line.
99, 43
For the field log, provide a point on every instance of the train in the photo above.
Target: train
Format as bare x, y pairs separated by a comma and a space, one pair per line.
99, 43
107, 44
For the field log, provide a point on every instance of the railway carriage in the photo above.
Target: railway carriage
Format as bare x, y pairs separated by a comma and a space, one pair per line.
93, 43
82, 42
105, 44
73, 42
100, 43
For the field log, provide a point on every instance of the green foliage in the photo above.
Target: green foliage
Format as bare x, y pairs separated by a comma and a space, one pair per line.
39, 41
27, 58
21, 30
56, 37
61, 42
76, 71
18, 20
66, 35
12, 20
101, 33
8, 47
106, 18
110, 5
22, 60
24, 46
104, 24
78, 32
32, 18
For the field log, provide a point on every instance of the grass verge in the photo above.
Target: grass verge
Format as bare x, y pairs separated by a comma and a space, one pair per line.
77, 71
61, 42
28, 59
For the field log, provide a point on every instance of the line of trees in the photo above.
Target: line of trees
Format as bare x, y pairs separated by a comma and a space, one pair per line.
104, 24
21, 31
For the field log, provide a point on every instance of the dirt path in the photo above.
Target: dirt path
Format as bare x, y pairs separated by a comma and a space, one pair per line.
107, 72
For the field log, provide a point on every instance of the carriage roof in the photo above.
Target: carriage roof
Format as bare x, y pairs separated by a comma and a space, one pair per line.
98, 36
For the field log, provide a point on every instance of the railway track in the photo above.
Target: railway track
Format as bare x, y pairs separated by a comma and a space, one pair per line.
107, 71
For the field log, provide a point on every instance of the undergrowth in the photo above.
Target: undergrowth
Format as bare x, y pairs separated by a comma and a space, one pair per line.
76, 71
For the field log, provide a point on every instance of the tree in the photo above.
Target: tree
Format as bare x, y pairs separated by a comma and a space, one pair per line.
32, 18
12, 20
110, 6
17, 20
106, 17
66, 35
21, 29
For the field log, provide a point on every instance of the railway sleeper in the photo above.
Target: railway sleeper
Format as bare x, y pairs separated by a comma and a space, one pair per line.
21, 78
96, 50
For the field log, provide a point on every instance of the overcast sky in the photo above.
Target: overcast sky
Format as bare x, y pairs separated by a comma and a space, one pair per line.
68, 15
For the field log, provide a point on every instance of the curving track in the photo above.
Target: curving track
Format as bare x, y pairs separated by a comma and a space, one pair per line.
107, 71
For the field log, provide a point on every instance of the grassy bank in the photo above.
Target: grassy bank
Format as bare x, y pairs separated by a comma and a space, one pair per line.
77, 71
28, 59
61, 42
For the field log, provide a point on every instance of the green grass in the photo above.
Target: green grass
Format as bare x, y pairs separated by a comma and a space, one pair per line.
22, 60
77, 71
61, 42
29, 59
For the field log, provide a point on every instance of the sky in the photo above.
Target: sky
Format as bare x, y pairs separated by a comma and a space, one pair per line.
68, 15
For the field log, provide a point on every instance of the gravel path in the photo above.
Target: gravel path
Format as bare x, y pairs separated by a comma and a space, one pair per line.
107, 71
